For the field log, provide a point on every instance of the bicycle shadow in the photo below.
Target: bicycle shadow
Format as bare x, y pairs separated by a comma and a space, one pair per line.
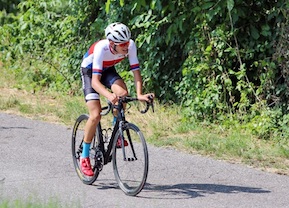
186, 190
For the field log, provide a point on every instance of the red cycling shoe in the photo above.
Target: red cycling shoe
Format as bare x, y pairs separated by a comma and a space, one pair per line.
118, 143
85, 166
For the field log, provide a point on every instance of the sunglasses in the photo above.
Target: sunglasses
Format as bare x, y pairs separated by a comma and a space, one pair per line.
122, 44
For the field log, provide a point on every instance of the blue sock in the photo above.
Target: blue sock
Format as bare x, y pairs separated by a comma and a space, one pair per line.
114, 121
85, 149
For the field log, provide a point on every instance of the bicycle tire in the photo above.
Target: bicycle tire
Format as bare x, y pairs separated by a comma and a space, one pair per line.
131, 174
77, 139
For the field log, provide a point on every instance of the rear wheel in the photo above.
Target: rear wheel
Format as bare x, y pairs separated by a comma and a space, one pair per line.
95, 155
130, 163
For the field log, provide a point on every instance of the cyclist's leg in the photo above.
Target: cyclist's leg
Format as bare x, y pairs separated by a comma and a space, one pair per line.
92, 103
119, 88
94, 108
89, 129
112, 80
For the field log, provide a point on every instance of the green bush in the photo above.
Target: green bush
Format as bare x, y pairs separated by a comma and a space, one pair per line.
215, 59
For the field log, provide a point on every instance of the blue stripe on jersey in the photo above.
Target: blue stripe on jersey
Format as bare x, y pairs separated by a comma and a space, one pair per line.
86, 55
134, 67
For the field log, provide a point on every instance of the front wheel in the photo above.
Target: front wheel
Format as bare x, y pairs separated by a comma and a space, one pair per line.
130, 163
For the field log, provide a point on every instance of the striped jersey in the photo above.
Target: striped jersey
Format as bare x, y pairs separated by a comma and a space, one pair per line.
99, 57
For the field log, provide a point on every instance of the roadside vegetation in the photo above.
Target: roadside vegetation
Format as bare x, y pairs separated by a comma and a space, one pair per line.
219, 70
20, 203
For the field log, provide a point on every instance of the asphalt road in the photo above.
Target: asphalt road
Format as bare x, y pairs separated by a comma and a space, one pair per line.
36, 165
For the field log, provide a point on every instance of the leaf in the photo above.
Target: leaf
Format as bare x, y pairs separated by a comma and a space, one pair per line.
266, 30
209, 48
148, 39
207, 5
121, 2
254, 32
24, 26
230, 4
107, 5
153, 4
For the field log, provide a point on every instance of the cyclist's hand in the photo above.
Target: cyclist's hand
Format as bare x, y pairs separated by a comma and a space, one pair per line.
147, 97
112, 98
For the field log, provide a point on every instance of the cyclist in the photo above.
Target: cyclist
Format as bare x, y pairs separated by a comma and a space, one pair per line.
98, 74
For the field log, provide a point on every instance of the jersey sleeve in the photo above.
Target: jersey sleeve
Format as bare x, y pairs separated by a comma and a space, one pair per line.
132, 56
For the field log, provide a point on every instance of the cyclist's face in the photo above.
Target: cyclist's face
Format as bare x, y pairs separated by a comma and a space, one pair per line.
122, 48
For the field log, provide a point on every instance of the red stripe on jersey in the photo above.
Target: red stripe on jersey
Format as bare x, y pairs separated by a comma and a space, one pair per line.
111, 63
90, 51
135, 66
96, 71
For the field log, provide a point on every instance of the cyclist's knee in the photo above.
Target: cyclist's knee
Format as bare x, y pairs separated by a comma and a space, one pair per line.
119, 88
122, 93
94, 111
95, 118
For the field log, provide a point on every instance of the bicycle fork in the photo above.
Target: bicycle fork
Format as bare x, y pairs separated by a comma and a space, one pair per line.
122, 127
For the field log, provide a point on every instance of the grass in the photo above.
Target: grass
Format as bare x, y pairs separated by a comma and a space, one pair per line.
164, 128
35, 203
20, 203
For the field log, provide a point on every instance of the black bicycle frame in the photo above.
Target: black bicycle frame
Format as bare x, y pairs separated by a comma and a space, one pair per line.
119, 125
106, 153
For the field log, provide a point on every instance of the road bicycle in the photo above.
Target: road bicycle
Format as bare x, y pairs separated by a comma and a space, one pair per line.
130, 161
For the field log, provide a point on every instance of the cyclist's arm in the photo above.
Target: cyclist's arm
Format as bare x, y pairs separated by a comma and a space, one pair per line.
138, 86
137, 82
134, 67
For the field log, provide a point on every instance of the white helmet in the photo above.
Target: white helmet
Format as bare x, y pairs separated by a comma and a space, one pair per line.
117, 32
